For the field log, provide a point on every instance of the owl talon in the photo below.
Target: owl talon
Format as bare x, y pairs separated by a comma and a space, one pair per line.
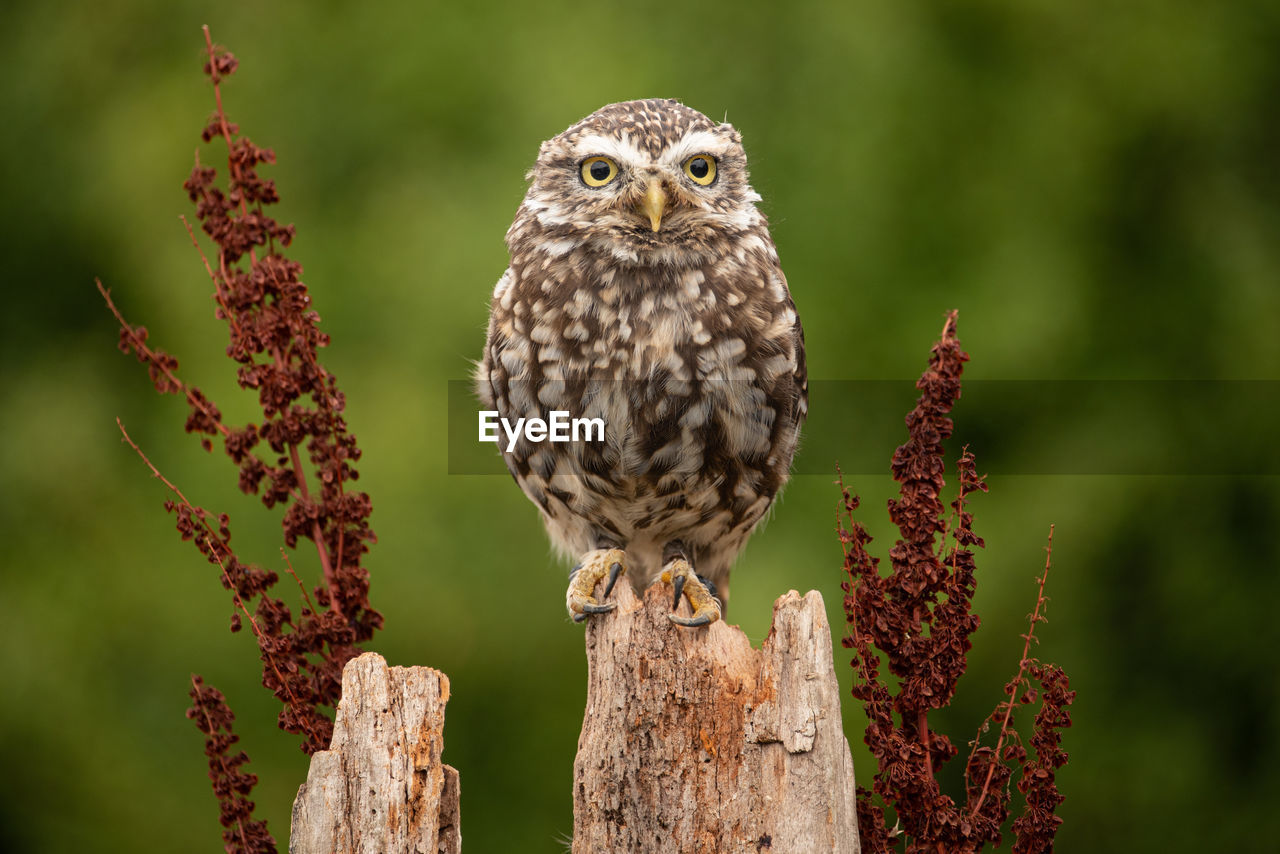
694, 622
596, 566
614, 572
701, 595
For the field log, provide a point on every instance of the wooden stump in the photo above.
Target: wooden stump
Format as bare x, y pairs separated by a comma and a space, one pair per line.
380, 787
693, 741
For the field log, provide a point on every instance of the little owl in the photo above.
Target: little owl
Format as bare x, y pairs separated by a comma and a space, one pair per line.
644, 290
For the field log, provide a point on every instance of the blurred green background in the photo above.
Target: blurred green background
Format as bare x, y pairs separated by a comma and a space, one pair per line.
1094, 185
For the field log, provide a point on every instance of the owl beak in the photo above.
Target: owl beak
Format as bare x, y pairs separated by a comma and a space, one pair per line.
654, 203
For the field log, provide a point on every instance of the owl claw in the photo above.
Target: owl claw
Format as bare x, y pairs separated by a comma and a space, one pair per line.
596, 566
677, 587
694, 622
701, 595
614, 572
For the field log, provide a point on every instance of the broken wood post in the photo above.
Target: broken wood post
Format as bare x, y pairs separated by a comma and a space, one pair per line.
693, 741
381, 787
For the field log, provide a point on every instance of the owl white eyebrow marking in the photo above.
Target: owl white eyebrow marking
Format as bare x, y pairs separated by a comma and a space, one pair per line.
622, 150
696, 142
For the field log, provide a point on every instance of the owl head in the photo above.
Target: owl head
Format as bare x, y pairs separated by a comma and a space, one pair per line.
643, 181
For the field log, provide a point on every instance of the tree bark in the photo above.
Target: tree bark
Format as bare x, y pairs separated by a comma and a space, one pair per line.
693, 741
380, 787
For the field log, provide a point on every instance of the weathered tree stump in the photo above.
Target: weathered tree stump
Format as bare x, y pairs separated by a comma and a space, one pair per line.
693, 741
380, 787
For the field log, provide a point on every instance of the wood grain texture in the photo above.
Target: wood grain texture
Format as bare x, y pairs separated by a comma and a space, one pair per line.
693, 741
381, 787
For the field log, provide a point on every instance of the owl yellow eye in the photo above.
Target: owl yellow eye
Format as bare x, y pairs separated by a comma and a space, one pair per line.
598, 171
701, 168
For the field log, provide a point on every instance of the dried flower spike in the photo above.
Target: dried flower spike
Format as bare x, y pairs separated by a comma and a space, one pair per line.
299, 458
920, 617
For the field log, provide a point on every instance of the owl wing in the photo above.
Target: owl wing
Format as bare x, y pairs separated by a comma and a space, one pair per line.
505, 360
490, 385
800, 377
782, 358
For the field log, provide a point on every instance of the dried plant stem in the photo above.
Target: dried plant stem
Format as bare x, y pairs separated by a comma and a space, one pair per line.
217, 80
317, 534
200, 514
1023, 664
139, 343
306, 597
225, 127
219, 289
211, 727
154, 358
299, 472
196, 243
922, 729
335, 600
